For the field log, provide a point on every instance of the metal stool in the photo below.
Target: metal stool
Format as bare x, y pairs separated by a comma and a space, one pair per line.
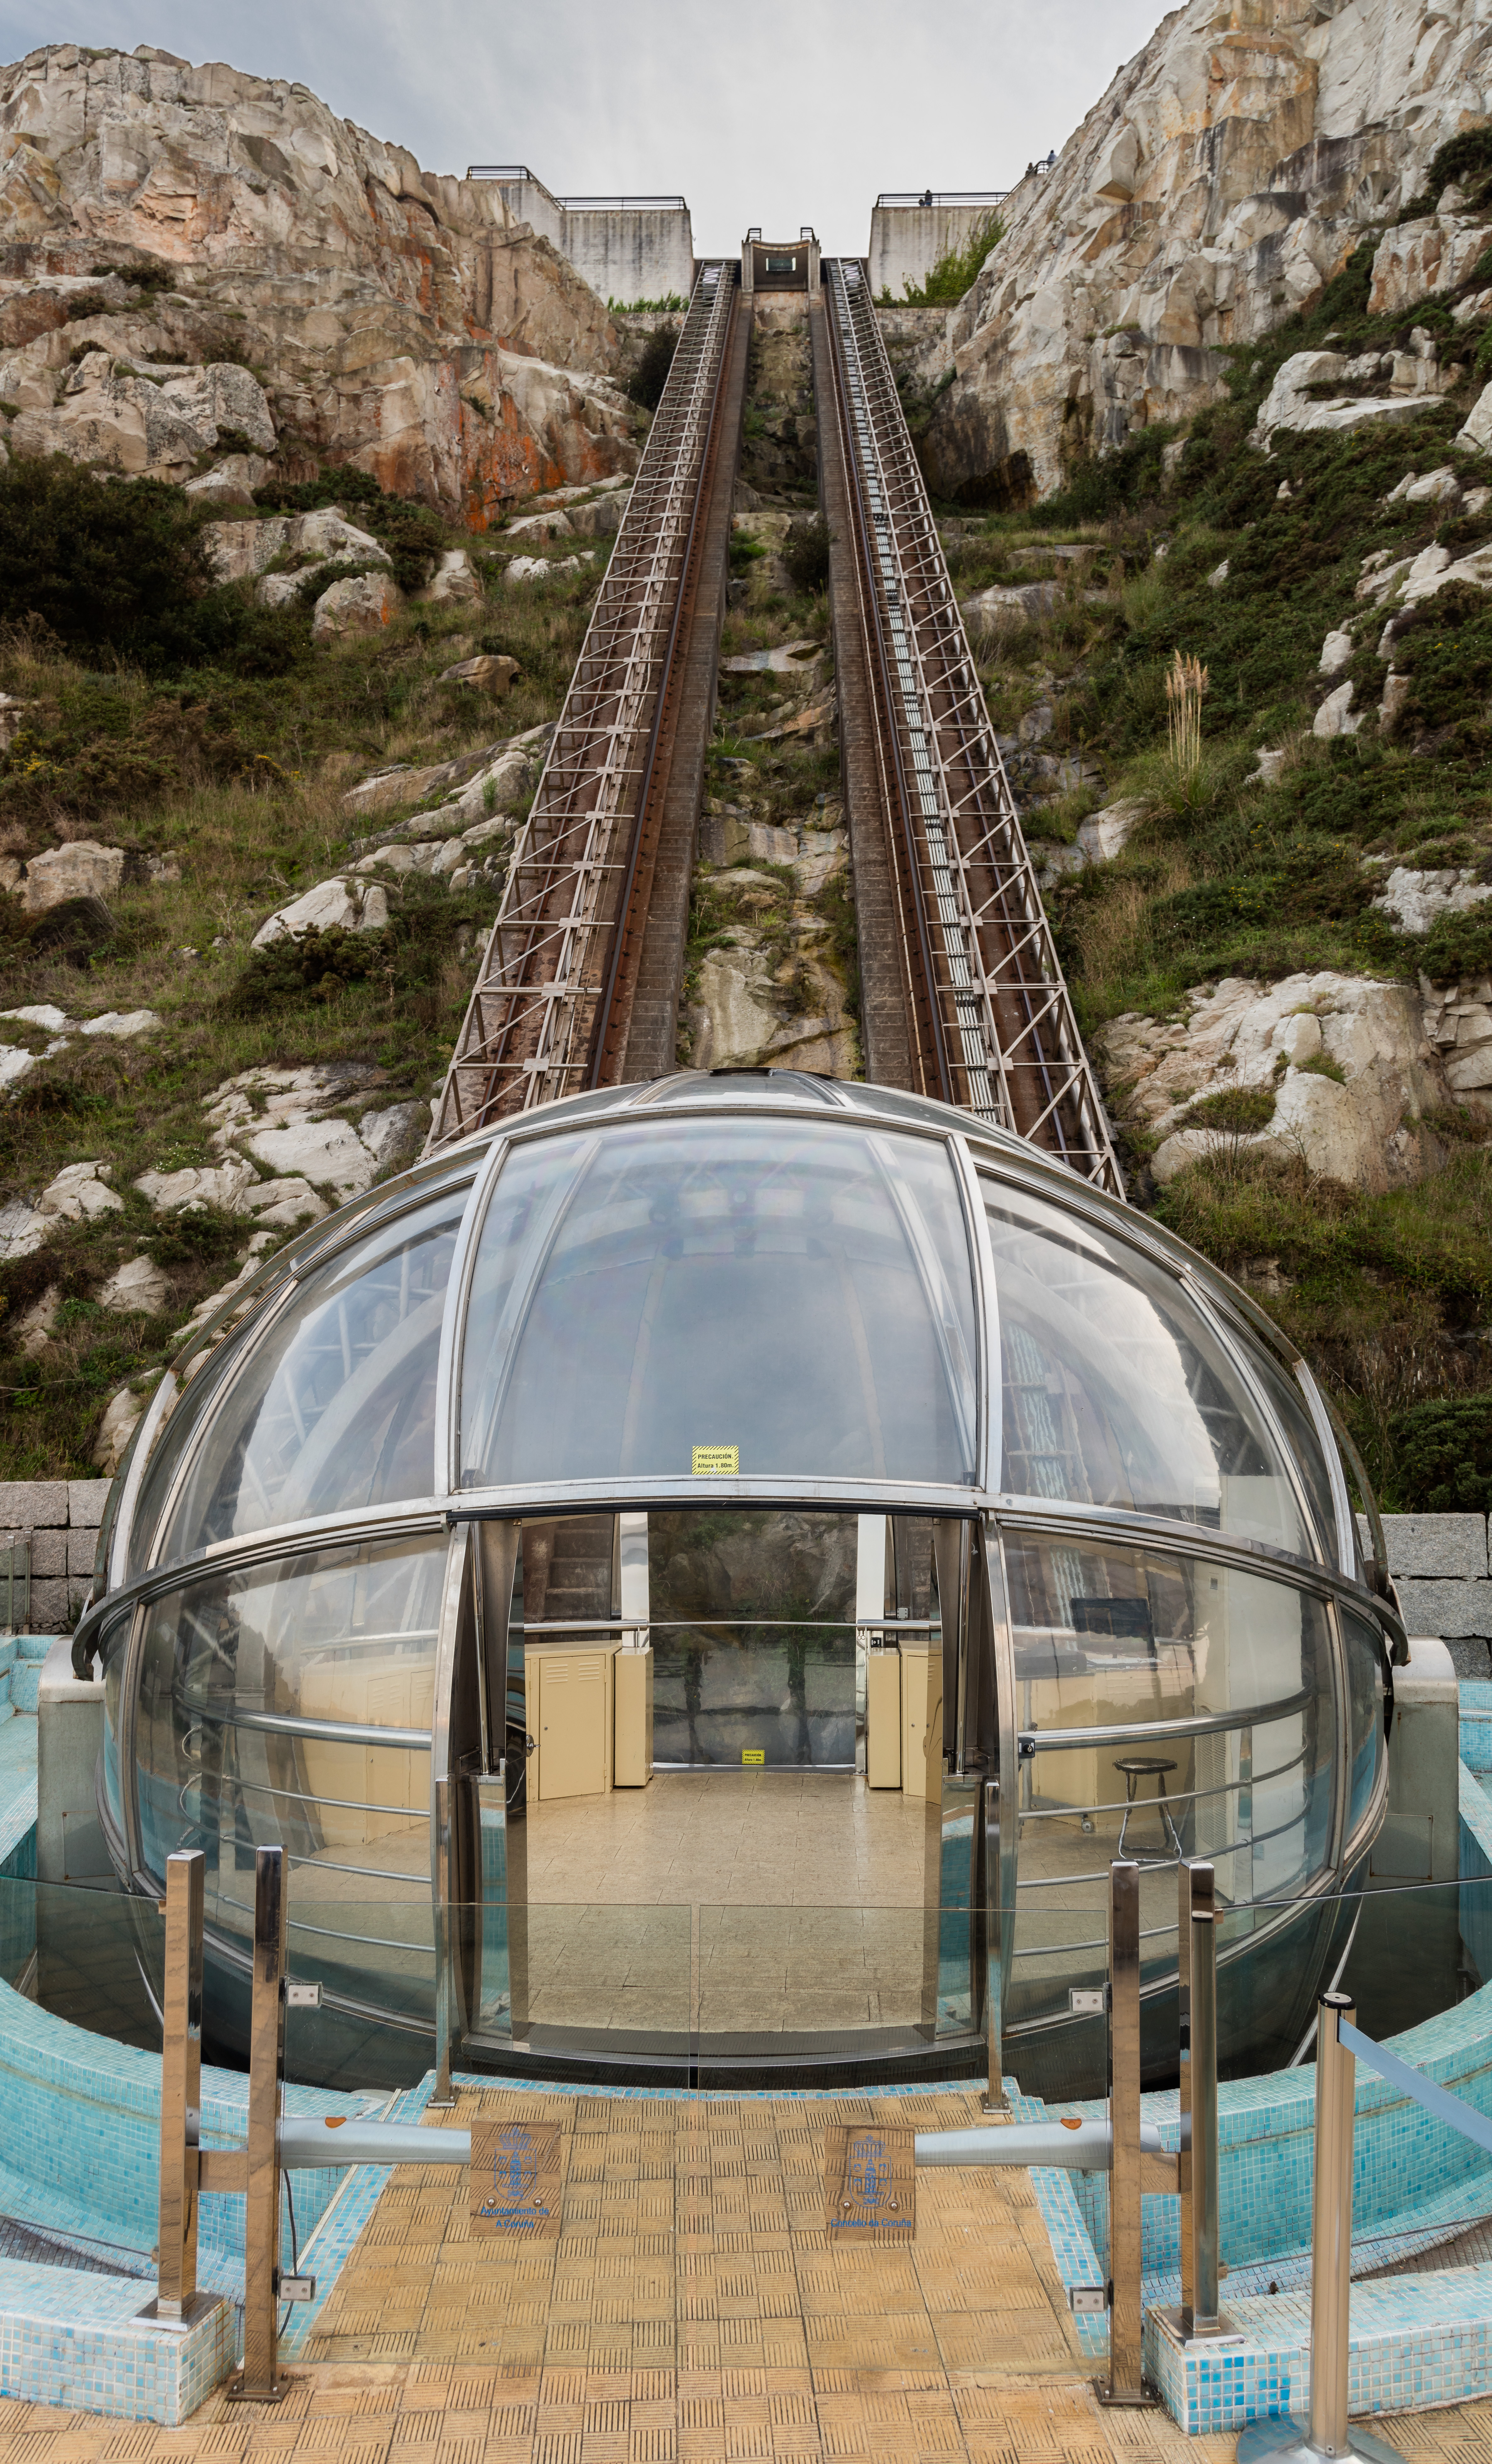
1138, 1766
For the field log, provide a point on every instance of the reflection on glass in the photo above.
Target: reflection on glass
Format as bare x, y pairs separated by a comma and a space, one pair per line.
1123, 1639
343, 1634
210, 1375
1293, 1414
337, 1407
797, 1292
112, 1649
1363, 1647
754, 1639
1117, 1390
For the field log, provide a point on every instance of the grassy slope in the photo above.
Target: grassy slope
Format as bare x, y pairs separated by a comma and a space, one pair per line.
1389, 1295
241, 778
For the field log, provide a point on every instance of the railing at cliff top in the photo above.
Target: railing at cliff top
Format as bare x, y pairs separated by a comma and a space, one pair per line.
940, 197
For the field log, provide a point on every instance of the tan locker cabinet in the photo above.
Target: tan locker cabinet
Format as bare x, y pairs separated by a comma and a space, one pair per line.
883, 1719
371, 1781
922, 1721
632, 1763
572, 1727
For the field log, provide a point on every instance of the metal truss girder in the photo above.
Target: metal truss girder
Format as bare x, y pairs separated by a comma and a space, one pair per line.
1008, 1028
528, 1028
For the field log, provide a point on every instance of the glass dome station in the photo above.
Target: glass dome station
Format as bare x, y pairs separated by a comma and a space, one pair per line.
707, 1534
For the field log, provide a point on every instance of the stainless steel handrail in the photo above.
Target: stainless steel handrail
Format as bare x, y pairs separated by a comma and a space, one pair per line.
1198, 1724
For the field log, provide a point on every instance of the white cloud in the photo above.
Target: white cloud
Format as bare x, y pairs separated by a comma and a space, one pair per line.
782, 113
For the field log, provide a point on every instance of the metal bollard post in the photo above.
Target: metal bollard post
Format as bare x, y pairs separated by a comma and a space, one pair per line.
1126, 2381
1329, 2433
1196, 2165
178, 2301
1204, 2318
261, 2380
994, 2100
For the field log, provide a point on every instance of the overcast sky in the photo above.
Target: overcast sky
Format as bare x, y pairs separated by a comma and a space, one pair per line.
782, 113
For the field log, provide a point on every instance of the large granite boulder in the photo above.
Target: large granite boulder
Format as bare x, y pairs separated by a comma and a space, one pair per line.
399, 320
1226, 174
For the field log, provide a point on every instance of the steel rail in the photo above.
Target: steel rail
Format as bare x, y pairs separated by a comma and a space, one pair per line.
930, 1066
527, 1033
626, 940
1006, 1025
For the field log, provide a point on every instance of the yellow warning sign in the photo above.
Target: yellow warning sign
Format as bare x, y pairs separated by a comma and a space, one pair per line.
720, 1462
754, 1754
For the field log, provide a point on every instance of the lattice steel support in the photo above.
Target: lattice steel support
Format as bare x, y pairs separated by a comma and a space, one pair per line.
530, 1029
1005, 1043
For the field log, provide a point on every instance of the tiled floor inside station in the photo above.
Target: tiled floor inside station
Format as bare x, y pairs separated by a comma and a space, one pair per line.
641, 1900
734, 1838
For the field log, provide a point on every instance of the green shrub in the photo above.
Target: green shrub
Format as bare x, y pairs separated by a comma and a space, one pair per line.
1238, 1111
1441, 1455
806, 553
413, 535
103, 565
647, 379
957, 270
1465, 159
403, 960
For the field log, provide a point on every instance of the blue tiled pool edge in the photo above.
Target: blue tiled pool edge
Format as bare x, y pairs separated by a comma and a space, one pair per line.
79, 2341
1417, 2340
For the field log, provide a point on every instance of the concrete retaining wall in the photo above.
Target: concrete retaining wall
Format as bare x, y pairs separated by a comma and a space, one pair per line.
60, 1518
907, 241
625, 250
630, 252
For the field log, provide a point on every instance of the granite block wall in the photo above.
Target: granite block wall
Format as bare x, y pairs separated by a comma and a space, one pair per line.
60, 1521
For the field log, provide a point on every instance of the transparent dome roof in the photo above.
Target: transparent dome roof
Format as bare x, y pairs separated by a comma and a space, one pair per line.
779, 1382
803, 1287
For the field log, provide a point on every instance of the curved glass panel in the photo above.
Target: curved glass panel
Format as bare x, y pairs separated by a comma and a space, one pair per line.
753, 1631
799, 1292
1117, 1392
744, 1086
1120, 1640
336, 1407
340, 1635
1293, 1414
1367, 1746
209, 1373
113, 1647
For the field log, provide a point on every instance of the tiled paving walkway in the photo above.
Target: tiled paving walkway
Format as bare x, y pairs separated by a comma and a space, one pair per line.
690, 2310
430, 2413
693, 2238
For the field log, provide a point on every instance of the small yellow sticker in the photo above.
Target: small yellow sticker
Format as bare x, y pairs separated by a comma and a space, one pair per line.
723, 1462
754, 1754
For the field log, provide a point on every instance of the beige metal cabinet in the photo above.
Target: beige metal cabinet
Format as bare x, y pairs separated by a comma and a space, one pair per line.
570, 1692
922, 1721
633, 1683
883, 1719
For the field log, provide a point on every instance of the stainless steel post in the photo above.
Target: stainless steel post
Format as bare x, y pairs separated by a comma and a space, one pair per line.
181, 2083
1126, 2380
261, 2380
1202, 1937
1184, 2076
996, 1919
443, 2094
1331, 2227
1329, 2433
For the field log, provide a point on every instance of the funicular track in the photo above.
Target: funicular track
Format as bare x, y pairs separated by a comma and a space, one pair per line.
964, 998
578, 985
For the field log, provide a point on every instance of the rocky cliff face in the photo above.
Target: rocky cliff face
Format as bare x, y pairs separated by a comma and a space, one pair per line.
1226, 175
173, 217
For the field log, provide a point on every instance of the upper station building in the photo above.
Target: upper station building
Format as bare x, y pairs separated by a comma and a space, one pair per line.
627, 248
702, 1579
